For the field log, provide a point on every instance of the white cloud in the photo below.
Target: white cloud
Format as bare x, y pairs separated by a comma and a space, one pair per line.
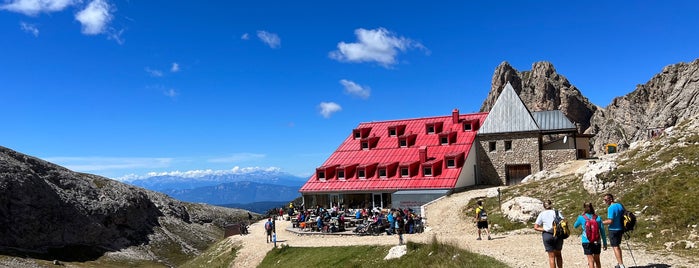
175, 67
29, 28
271, 39
95, 17
87, 164
153, 72
378, 45
328, 108
172, 93
116, 36
245, 36
237, 158
354, 89
199, 173
34, 7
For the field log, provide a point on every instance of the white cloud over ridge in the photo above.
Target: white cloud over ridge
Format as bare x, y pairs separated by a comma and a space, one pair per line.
29, 28
95, 17
85, 164
236, 158
271, 39
329, 108
199, 173
378, 45
34, 7
354, 89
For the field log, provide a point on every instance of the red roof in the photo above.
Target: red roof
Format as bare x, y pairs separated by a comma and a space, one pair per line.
387, 153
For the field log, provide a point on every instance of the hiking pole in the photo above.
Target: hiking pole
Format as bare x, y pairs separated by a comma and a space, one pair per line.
628, 236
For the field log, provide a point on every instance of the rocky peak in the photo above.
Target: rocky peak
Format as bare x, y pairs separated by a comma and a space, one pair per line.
541, 89
669, 97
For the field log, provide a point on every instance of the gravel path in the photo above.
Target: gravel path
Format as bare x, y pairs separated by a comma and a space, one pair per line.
521, 248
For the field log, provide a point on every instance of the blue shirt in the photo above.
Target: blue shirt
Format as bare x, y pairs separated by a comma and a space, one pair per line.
615, 212
581, 222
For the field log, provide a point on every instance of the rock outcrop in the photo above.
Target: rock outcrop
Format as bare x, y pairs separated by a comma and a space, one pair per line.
668, 98
542, 89
50, 211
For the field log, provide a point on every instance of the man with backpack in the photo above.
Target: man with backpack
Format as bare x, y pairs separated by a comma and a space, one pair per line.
593, 235
482, 220
269, 226
615, 220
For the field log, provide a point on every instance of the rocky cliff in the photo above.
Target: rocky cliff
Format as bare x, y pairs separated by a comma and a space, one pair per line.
51, 212
668, 98
542, 89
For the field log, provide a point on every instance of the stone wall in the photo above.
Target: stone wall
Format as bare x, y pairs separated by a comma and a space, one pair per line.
524, 150
552, 158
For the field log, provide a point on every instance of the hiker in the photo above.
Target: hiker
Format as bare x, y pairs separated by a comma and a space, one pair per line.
399, 226
268, 228
552, 245
481, 220
615, 220
591, 242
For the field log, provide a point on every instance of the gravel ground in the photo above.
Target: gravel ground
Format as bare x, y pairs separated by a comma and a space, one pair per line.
522, 248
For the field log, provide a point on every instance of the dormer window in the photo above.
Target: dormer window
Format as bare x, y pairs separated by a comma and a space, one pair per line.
408, 140
453, 160
468, 126
366, 170
321, 175
396, 130
326, 172
447, 138
432, 168
387, 170
427, 171
382, 173
361, 174
404, 172
409, 169
341, 174
368, 143
361, 133
432, 128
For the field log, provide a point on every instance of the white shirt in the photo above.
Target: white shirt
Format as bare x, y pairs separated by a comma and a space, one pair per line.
545, 219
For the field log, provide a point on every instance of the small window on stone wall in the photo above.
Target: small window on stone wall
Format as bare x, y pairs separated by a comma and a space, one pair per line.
508, 145
491, 146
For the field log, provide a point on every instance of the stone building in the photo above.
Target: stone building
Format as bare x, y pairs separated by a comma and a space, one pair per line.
514, 142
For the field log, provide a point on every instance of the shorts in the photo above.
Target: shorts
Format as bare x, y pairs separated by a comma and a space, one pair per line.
269, 232
615, 237
592, 248
551, 243
482, 225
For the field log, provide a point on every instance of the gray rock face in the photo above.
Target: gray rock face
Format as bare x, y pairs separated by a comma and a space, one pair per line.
665, 100
542, 89
522, 208
48, 209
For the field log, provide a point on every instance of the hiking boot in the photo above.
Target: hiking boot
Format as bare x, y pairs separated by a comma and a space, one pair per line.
479, 238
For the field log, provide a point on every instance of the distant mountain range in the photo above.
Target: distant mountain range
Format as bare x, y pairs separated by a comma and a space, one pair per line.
227, 189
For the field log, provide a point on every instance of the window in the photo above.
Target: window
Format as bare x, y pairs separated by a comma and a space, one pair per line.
430, 129
365, 145
404, 172
451, 163
467, 126
403, 143
357, 135
341, 174
508, 145
361, 174
444, 140
491, 146
391, 132
382, 173
321, 175
427, 171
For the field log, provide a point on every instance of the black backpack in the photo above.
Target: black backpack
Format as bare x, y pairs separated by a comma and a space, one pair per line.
629, 222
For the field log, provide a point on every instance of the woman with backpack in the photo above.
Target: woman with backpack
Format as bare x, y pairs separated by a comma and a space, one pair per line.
593, 235
553, 245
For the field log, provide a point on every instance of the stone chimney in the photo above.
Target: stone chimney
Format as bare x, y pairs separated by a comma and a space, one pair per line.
423, 154
455, 116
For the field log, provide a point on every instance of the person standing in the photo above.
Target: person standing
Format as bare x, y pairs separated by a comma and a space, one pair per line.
268, 229
591, 249
552, 245
399, 226
615, 220
481, 220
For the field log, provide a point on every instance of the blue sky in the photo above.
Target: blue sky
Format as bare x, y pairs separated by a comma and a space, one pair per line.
124, 88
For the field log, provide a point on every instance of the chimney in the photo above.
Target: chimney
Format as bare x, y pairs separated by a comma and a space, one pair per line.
455, 116
423, 154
